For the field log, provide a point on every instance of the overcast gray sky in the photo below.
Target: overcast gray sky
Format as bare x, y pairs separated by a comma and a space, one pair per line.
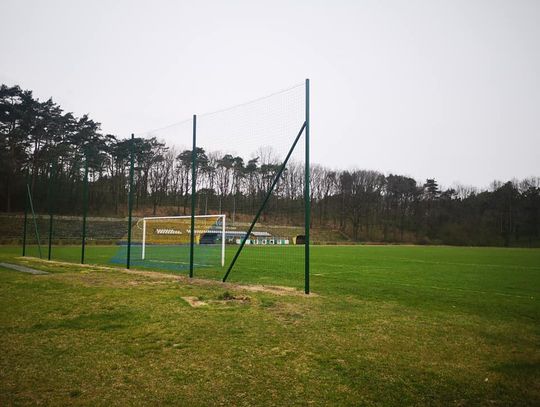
444, 89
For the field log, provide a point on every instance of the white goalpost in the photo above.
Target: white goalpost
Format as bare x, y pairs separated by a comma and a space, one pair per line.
176, 230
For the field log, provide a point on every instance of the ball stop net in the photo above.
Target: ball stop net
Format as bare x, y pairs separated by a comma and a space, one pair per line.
233, 182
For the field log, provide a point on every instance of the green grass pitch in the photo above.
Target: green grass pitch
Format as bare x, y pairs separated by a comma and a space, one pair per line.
387, 325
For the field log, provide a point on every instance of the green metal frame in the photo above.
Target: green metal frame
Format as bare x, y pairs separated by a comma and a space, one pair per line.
130, 198
193, 192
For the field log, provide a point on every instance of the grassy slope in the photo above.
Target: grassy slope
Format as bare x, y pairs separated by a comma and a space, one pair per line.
391, 325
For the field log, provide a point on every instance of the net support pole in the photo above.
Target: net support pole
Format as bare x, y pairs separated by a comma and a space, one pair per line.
223, 242
25, 217
143, 238
193, 187
263, 205
130, 197
307, 196
34, 218
85, 208
50, 205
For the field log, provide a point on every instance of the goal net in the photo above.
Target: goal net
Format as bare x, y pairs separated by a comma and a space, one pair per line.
168, 238
164, 242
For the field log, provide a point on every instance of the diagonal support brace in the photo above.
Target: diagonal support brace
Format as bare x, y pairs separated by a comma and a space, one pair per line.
266, 198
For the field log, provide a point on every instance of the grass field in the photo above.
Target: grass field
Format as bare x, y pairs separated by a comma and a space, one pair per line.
387, 325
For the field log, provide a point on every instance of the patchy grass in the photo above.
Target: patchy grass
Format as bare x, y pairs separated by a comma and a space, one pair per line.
388, 326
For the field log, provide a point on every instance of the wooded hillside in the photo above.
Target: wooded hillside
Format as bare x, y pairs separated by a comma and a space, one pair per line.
40, 141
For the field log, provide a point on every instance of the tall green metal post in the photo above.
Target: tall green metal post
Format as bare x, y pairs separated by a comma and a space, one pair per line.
85, 208
25, 215
130, 198
307, 197
193, 188
50, 205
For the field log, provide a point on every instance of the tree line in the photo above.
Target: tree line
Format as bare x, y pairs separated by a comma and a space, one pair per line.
46, 148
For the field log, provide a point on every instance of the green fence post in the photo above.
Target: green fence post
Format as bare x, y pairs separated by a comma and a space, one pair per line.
49, 203
25, 214
130, 198
193, 188
85, 208
307, 197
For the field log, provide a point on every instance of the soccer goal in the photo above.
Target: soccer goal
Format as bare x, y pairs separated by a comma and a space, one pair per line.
167, 239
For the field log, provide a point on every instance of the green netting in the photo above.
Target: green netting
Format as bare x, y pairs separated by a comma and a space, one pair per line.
106, 210
37, 224
162, 188
241, 151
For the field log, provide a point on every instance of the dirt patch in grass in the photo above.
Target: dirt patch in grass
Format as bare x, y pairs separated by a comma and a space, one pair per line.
195, 302
272, 289
289, 313
276, 290
223, 299
228, 297
70, 267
